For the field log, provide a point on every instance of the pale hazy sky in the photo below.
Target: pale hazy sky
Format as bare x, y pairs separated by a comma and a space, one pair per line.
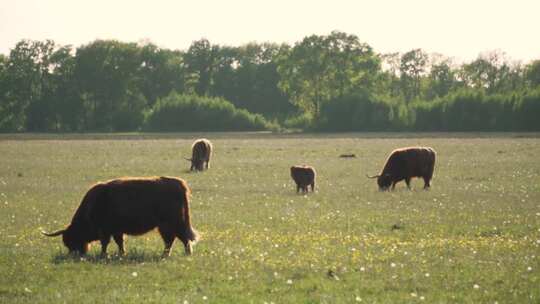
457, 28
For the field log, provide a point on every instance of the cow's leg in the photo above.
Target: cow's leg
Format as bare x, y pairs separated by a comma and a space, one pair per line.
104, 243
167, 234
297, 188
313, 187
119, 239
207, 164
408, 182
394, 185
187, 246
181, 235
426, 183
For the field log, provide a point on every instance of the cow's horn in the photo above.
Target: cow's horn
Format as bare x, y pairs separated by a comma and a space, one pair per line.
57, 233
374, 176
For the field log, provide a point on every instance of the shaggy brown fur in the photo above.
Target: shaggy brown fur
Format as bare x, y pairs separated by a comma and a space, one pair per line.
201, 151
303, 176
406, 163
131, 206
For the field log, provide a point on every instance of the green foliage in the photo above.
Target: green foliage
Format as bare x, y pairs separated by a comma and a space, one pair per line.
328, 82
464, 111
532, 73
359, 112
472, 110
412, 67
250, 79
179, 112
322, 68
303, 121
527, 112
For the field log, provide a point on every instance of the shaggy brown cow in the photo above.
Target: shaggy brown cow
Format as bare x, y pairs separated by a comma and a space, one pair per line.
201, 151
303, 176
406, 163
131, 206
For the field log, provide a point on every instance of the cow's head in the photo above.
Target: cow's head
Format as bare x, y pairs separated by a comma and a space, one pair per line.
383, 180
72, 239
196, 164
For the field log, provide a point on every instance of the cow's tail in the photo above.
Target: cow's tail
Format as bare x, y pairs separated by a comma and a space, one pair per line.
189, 232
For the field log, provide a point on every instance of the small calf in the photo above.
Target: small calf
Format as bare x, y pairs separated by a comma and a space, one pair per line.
303, 176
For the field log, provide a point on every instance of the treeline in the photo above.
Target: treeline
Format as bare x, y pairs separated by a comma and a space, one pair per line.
329, 83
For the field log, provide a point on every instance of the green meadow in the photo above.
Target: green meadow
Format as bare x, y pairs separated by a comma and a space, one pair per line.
473, 238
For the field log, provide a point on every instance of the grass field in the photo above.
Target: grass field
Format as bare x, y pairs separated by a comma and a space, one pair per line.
473, 238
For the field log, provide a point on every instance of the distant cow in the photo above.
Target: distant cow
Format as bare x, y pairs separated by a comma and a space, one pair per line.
406, 163
201, 151
303, 176
131, 206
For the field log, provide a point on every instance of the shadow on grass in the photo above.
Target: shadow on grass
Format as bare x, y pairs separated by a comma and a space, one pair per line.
131, 257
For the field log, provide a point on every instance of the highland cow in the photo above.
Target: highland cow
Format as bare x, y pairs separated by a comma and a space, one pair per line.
406, 163
303, 176
131, 206
201, 151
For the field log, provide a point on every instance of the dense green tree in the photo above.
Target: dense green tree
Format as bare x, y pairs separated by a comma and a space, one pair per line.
106, 73
200, 62
4, 89
320, 68
532, 74
389, 82
58, 108
161, 72
331, 82
26, 77
250, 79
491, 72
441, 80
412, 67
64, 96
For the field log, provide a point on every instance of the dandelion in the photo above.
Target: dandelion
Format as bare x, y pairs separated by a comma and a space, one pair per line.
422, 298
27, 289
427, 275
205, 298
289, 281
413, 294
134, 274
358, 299
392, 265
362, 268
529, 268
476, 286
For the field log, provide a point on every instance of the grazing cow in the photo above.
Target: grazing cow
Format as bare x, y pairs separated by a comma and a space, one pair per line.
406, 163
303, 176
201, 151
131, 206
